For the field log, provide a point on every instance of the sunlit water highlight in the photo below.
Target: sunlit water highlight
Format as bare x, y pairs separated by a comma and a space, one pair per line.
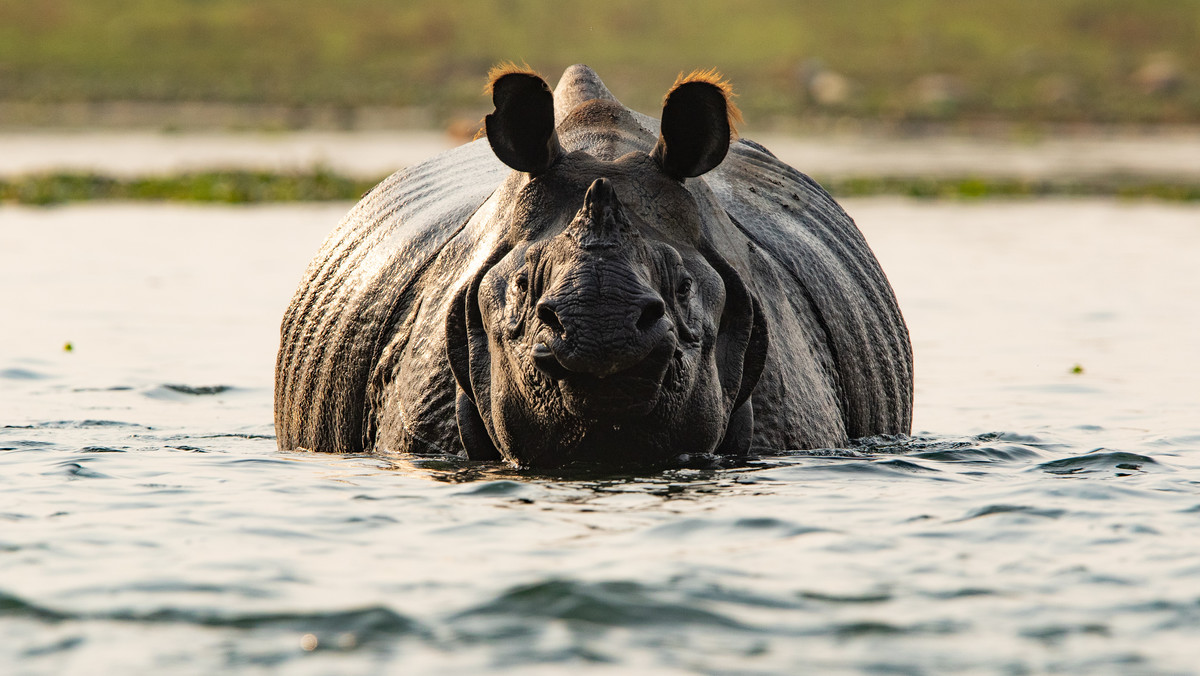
1040, 521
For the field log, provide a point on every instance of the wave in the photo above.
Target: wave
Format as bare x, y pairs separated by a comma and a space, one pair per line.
1121, 463
364, 623
610, 603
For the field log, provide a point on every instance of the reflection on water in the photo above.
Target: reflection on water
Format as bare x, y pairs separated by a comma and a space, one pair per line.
1040, 520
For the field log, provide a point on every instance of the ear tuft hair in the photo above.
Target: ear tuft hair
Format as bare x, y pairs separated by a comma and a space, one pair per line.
507, 68
713, 77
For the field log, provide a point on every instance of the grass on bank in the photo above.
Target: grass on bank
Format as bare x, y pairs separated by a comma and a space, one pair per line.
247, 187
228, 187
1132, 61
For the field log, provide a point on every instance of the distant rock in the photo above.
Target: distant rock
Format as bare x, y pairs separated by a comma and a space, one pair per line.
828, 88
823, 86
1159, 75
938, 91
1056, 90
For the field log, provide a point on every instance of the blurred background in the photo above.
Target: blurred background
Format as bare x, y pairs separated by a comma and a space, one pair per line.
340, 62
1042, 521
1013, 71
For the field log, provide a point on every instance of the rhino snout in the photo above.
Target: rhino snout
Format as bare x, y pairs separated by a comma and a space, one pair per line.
600, 339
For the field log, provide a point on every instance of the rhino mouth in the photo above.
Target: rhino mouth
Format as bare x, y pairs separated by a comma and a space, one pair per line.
631, 392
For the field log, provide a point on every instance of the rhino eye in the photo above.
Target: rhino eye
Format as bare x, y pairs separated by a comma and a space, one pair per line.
684, 290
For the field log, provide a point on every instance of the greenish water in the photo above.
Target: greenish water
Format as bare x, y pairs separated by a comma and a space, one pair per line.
1043, 519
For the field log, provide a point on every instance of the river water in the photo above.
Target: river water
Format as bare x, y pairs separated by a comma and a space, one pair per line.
1164, 153
1044, 518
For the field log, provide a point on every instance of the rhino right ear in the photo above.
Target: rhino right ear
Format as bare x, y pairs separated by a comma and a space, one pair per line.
521, 130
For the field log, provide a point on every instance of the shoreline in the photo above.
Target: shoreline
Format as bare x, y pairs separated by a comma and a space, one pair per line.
56, 166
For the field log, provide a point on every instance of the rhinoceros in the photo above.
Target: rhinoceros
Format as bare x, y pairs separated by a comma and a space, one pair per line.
588, 284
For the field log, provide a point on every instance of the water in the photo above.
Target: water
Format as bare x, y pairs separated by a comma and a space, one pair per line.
1040, 520
1165, 153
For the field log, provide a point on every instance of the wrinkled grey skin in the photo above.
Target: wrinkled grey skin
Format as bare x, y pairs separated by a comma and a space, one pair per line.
598, 310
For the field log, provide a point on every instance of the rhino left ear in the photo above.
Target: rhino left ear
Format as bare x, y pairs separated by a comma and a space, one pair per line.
521, 130
698, 121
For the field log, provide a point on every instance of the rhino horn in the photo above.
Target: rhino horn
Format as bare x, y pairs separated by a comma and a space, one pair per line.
602, 222
578, 85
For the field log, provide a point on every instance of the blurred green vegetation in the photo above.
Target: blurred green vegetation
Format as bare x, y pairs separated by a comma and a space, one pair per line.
244, 187
972, 187
1123, 61
229, 187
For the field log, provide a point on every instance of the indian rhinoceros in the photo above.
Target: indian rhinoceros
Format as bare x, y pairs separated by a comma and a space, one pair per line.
589, 284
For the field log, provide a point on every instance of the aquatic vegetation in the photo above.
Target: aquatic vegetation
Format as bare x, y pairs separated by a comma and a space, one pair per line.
247, 187
230, 187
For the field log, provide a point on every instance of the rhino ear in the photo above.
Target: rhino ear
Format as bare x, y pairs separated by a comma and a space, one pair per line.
521, 130
698, 120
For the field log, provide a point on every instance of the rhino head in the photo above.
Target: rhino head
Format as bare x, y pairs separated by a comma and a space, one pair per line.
606, 327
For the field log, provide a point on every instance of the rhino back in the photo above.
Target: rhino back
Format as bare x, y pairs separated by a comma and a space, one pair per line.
359, 289
793, 221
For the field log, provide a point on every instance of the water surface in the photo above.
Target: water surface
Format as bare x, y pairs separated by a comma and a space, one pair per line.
1044, 517
1168, 153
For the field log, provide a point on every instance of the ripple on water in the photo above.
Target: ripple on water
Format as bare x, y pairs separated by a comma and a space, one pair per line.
26, 444
1102, 460
23, 374
54, 647
365, 624
102, 449
15, 606
609, 603
500, 488
1178, 441
891, 468
1057, 633
866, 629
1024, 510
376, 622
853, 599
981, 454
85, 424
76, 470
176, 391
732, 528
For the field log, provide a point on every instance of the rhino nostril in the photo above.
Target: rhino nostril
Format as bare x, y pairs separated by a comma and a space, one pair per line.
547, 315
652, 311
